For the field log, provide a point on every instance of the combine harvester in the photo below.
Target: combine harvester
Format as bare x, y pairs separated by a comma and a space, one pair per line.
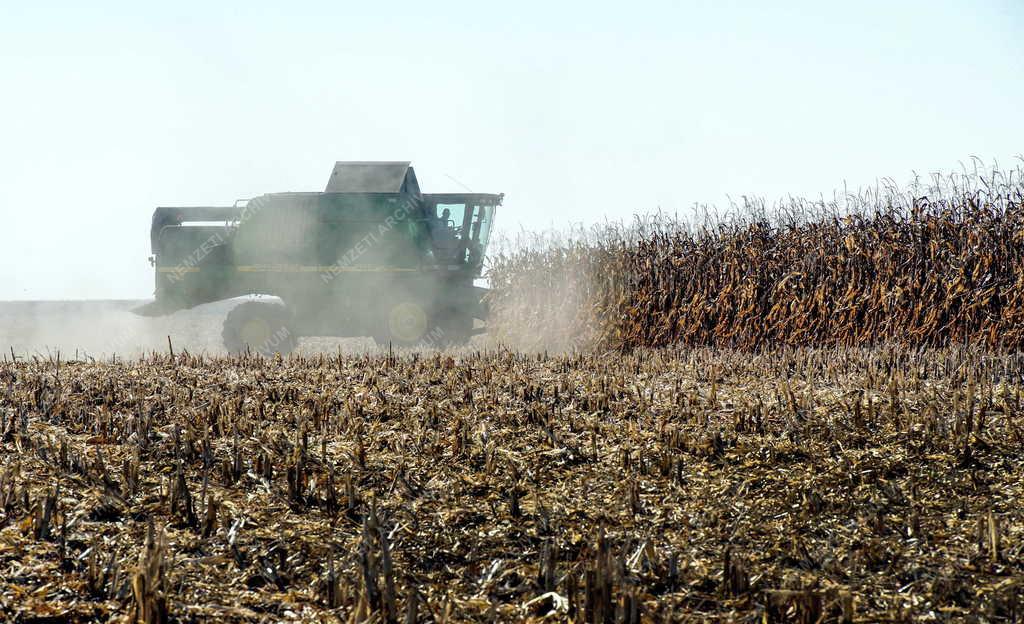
370, 256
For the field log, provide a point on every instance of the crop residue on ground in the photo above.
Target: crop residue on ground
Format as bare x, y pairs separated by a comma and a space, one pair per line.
840, 485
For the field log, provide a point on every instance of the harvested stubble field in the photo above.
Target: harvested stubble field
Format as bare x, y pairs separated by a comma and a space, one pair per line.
668, 485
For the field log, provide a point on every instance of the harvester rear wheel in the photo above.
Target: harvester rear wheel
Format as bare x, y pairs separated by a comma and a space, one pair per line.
261, 327
406, 324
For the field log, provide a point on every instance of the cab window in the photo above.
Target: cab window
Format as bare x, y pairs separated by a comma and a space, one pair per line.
451, 215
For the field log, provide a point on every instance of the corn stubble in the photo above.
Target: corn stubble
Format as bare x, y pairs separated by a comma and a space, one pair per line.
667, 485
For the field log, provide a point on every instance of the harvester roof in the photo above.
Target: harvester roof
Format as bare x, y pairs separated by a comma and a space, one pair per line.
373, 177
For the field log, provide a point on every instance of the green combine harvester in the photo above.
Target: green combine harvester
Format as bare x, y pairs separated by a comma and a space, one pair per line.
370, 256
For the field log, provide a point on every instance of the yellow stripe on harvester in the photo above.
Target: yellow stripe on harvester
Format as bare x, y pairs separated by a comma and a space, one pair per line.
177, 269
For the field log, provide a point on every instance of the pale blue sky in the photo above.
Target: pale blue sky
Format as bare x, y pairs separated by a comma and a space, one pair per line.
577, 111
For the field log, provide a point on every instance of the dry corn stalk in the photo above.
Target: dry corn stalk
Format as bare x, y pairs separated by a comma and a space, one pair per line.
915, 270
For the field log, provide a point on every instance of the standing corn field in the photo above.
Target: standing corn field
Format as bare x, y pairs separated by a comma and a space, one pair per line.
887, 267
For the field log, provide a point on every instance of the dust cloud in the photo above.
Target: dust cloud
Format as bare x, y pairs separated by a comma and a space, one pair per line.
101, 330
544, 310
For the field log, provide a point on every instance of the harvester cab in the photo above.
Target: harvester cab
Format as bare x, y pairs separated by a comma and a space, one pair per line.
369, 256
460, 226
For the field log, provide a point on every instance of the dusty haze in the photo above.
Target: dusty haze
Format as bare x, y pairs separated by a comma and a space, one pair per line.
103, 329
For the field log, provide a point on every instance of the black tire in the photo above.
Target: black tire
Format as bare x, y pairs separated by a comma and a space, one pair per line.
259, 327
456, 328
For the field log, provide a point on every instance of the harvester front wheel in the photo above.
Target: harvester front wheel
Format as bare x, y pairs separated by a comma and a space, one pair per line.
260, 327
